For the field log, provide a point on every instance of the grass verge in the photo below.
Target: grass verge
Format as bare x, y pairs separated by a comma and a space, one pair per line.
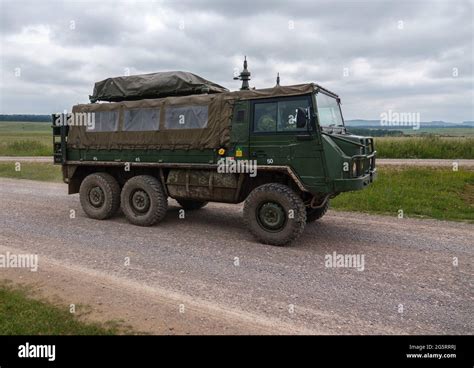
32, 171
420, 192
425, 147
25, 147
21, 315
25, 139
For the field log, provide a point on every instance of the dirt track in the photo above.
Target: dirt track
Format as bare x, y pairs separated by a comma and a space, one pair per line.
209, 264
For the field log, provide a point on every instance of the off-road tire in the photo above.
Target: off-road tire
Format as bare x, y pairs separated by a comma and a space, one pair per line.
313, 214
151, 191
287, 200
191, 205
103, 189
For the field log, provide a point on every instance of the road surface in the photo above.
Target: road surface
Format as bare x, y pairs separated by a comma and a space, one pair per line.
39, 159
206, 274
465, 164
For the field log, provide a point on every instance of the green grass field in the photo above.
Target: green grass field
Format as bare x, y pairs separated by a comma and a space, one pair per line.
425, 147
21, 315
445, 132
420, 192
35, 139
32, 171
25, 139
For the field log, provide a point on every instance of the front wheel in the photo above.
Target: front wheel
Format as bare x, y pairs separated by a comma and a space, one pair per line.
275, 214
144, 201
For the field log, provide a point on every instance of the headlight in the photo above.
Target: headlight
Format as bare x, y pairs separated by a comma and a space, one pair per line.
354, 169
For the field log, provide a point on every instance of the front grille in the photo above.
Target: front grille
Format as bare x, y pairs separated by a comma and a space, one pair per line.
365, 163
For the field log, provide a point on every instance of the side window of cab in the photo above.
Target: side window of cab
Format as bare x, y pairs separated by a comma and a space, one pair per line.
265, 117
278, 115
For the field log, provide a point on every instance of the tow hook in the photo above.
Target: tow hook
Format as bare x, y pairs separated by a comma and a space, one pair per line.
323, 203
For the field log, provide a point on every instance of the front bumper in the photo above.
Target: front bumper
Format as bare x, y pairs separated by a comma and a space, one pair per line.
345, 185
363, 172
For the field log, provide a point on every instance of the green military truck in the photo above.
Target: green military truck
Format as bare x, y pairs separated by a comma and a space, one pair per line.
284, 151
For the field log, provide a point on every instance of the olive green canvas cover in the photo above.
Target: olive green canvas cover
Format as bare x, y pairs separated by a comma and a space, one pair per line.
153, 85
216, 134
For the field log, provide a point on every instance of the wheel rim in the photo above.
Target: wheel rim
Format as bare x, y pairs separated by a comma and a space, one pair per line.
271, 216
140, 201
96, 197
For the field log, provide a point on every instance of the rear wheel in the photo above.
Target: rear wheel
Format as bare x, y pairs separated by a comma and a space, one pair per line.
100, 196
313, 214
275, 214
188, 204
144, 201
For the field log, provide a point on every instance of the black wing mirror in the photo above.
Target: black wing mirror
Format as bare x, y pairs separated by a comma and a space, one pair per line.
301, 117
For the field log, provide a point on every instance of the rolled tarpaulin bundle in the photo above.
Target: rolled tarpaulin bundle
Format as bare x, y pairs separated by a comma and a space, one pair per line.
153, 85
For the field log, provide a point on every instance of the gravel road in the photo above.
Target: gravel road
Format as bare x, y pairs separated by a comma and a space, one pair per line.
465, 164
206, 274
40, 159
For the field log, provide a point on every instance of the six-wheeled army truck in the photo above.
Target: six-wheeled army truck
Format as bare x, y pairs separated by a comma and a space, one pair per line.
284, 151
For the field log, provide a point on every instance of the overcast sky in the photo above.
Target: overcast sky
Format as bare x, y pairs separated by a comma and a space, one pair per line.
407, 56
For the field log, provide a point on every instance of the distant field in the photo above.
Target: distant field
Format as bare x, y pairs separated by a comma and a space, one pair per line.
425, 147
383, 131
448, 132
25, 139
24, 126
35, 139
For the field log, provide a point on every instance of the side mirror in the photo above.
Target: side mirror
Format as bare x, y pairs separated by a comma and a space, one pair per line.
301, 117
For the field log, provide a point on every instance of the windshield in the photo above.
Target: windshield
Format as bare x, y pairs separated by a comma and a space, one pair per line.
328, 111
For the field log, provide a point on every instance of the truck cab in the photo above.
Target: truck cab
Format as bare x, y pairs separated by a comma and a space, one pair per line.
306, 133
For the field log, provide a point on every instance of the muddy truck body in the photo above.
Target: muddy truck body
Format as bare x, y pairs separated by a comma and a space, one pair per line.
283, 151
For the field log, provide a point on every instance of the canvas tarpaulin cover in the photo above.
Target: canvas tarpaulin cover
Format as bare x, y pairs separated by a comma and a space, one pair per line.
152, 85
215, 132
212, 133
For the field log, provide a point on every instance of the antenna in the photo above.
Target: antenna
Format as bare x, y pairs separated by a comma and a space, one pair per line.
244, 76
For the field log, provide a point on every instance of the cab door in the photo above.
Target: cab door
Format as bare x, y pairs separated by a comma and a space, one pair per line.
276, 140
273, 130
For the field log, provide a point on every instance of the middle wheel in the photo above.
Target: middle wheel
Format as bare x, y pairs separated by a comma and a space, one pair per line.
143, 200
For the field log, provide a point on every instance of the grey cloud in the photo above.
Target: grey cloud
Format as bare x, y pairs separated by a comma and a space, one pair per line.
388, 66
